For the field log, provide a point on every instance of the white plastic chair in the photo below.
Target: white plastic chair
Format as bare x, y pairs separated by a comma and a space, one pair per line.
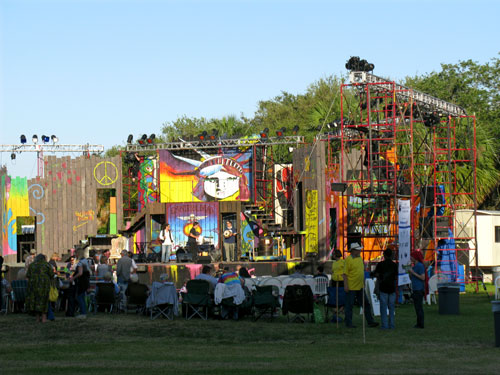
433, 281
320, 286
497, 288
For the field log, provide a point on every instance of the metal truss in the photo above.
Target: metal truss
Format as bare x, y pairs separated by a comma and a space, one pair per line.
407, 94
219, 143
52, 148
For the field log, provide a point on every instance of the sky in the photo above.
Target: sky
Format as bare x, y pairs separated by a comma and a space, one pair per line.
94, 71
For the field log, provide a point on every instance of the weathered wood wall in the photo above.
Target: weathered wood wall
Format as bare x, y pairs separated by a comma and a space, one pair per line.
64, 201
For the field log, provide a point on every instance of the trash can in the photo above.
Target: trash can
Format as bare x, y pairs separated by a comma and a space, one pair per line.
448, 294
496, 320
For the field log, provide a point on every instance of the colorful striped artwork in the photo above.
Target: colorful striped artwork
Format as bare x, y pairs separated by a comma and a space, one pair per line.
15, 204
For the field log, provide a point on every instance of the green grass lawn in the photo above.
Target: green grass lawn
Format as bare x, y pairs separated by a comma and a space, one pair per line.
130, 344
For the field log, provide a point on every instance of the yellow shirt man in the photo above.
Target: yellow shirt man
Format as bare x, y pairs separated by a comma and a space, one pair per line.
354, 269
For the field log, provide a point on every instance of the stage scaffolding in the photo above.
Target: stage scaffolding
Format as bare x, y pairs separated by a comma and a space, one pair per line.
399, 144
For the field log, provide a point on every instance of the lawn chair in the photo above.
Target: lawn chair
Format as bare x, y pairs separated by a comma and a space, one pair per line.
137, 295
265, 300
298, 300
332, 300
163, 300
432, 290
197, 299
320, 287
105, 296
19, 291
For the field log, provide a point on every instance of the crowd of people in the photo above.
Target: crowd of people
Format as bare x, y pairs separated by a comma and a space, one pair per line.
73, 282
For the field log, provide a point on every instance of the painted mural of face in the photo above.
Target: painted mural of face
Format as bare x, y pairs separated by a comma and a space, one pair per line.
221, 185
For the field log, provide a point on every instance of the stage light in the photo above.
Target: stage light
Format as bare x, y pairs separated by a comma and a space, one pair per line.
130, 138
280, 132
13, 156
202, 136
214, 134
45, 139
356, 64
151, 138
23, 139
54, 139
34, 139
263, 134
295, 130
290, 149
431, 119
142, 140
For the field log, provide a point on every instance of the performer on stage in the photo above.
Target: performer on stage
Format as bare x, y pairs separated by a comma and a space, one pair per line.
167, 243
229, 242
192, 243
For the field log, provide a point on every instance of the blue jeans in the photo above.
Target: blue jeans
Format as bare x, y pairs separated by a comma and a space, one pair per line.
80, 298
50, 313
387, 301
418, 302
165, 253
350, 297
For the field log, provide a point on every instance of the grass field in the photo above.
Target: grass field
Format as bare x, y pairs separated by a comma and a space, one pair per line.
130, 344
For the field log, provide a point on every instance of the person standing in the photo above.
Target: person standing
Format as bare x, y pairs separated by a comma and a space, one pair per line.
338, 269
386, 273
192, 243
354, 279
417, 277
229, 242
39, 275
81, 277
30, 259
165, 237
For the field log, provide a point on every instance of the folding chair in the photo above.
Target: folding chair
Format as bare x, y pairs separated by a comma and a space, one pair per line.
332, 300
432, 290
197, 299
104, 296
298, 300
137, 295
19, 290
265, 300
162, 301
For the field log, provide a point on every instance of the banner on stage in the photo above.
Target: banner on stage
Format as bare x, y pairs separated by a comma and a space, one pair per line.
404, 236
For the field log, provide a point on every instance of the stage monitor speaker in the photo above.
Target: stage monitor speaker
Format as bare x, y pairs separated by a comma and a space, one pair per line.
184, 257
204, 259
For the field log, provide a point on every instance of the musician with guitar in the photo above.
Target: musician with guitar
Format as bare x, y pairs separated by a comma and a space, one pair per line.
229, 242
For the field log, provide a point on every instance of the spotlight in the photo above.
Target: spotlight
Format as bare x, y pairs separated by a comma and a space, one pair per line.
45, 139
151, 138
290, 149
263, 134
142, 141
203, 135
34, 139
23, 139
295, 130
130, 138
13, 156
431, 119
54, 139
280, 132
214, 134
356, 64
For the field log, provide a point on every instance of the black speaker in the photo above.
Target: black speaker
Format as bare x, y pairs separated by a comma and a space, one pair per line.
204, 259
183, 257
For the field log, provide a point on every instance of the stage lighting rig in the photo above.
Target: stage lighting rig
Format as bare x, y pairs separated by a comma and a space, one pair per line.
151, 139
23, 139
34, 139
142, 140
359, 65
54, 139
280, 132
130, 139
264, 133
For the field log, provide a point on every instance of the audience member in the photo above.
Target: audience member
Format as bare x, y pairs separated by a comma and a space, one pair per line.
103, 268
39, 275
354, 279
29, 259
386, 273
298, 272
81, 277
338, 269
206, 274
320, 272
417, 277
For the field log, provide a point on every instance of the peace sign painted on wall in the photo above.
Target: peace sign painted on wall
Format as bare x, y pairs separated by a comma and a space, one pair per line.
105, 173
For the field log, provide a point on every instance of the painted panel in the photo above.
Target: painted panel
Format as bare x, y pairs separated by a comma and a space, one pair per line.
222, 177
311, 221
15, 193
181, 218
283, 186
147, 188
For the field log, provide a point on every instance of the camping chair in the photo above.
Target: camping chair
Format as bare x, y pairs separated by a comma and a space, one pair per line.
265, 300
232, 300
104, 296
331, 302
197, 299
163, 300
432, 289
298, 300
137, 295
19, 290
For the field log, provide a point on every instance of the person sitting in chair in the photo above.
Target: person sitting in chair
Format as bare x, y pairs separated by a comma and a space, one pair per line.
206, 275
